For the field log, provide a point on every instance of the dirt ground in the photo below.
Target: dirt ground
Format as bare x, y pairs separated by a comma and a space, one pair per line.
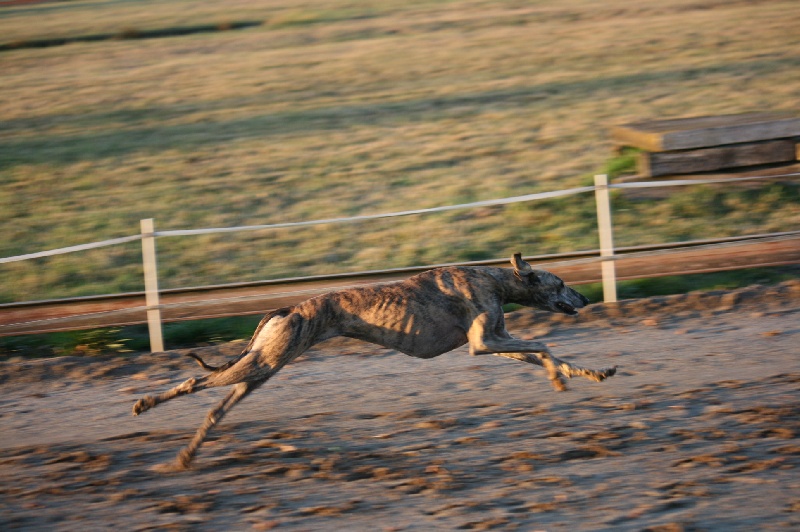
698, 431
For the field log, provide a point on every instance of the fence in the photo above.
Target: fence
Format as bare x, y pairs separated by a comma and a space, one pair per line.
607, 252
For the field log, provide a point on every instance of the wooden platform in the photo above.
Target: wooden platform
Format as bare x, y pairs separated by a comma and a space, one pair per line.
711, 143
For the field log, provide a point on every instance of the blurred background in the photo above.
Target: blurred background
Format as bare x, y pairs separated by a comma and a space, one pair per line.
218, 114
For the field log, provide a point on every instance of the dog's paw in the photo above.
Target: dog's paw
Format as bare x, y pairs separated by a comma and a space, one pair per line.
143, 405
605, 373
558, 384
176, 466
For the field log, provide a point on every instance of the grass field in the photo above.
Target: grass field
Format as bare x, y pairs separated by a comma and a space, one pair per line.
334, 108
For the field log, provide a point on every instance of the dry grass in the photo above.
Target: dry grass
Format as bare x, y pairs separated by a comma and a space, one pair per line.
332, 109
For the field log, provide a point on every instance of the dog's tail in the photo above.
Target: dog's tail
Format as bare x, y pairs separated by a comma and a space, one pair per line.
202, 362
216, 369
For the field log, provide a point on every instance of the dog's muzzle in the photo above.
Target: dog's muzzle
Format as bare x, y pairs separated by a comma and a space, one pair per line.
566, 308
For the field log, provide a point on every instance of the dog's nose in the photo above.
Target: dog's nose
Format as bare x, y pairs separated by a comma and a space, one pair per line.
584, 299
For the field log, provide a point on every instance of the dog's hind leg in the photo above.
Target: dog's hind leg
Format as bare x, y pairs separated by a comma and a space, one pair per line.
219, 376
258, 371
195, 384
286, 339
192, 385
238, 392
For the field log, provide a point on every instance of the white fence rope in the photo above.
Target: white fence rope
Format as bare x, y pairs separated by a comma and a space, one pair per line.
485, 203
70, 249
351, 219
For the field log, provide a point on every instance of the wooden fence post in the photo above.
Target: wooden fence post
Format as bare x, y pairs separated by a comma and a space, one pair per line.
606, 238
151, 285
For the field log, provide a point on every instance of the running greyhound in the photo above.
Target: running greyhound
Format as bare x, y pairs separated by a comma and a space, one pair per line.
424, 316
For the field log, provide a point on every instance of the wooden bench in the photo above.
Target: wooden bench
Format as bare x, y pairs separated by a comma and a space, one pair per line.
710, 143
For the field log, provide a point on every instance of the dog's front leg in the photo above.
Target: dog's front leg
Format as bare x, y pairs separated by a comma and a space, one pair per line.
526, 351
546, 361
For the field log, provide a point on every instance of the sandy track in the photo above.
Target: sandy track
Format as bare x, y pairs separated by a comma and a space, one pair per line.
699, 430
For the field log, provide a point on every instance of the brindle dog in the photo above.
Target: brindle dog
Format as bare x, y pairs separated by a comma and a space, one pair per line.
424, 316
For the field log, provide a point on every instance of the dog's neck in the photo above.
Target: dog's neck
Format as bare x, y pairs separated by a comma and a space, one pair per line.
510, 289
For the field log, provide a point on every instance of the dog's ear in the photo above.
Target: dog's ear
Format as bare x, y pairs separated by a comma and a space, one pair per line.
522, 270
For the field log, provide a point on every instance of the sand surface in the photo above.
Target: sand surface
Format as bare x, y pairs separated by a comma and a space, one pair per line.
700, 430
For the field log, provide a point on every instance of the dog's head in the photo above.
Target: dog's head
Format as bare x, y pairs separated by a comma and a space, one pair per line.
546, 291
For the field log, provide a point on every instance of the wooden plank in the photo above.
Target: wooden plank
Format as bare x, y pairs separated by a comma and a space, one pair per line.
151, 284
706, 131
711, 159
606, 233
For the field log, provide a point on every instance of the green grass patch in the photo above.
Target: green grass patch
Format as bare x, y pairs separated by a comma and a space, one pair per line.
624, 163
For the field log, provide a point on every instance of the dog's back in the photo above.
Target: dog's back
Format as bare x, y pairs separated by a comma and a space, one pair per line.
424, 316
